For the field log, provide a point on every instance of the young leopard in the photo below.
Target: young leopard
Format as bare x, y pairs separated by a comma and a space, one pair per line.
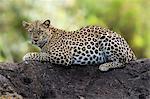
88, 46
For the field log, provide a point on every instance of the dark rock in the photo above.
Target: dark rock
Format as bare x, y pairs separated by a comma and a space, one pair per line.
35, 80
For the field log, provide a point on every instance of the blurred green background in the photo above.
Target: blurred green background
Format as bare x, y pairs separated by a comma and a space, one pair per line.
130, 18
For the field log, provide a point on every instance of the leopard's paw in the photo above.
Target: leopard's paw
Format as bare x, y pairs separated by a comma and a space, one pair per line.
27, 57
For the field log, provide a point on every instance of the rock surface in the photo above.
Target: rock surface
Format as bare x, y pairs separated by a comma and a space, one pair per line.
35, 80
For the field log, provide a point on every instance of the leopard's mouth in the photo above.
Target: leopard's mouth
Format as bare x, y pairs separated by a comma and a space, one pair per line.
34, 42
42, 43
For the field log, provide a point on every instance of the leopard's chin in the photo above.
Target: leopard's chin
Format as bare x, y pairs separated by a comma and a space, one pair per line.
42, 43
34, 43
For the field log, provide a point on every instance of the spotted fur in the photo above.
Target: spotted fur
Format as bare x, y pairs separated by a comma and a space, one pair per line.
87, 46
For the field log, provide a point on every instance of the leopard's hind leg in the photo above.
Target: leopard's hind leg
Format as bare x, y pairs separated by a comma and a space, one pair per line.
110, 65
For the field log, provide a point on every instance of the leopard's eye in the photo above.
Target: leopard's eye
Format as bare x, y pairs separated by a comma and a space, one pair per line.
30, 31
38, 32
41, 31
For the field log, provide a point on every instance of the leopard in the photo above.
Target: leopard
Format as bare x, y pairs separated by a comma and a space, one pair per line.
89, 45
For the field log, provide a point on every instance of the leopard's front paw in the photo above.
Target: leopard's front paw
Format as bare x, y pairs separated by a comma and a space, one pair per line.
27, 57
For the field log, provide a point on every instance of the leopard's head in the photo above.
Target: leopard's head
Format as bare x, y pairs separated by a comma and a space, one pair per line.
39, 32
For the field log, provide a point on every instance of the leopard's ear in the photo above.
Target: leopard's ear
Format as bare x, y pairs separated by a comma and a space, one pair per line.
25, 24
46, 23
